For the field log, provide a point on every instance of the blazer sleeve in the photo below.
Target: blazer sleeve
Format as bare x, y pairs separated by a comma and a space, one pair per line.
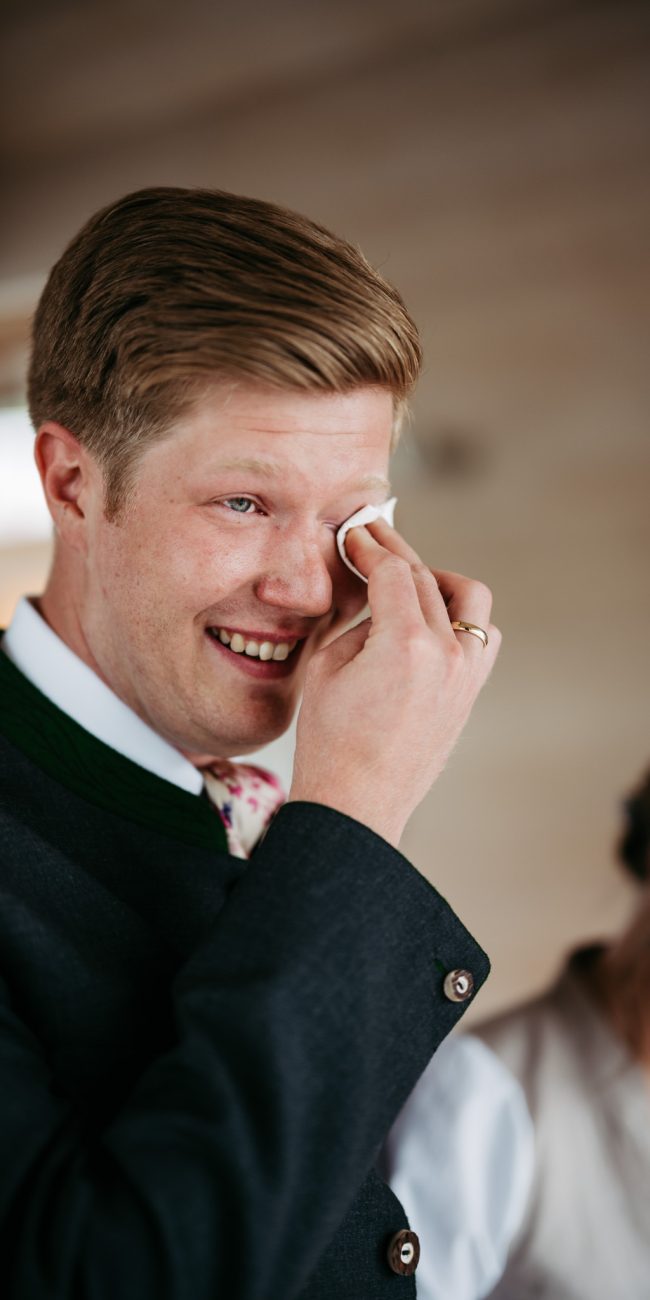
301, 1024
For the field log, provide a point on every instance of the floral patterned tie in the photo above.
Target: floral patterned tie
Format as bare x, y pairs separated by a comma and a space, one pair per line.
246, 798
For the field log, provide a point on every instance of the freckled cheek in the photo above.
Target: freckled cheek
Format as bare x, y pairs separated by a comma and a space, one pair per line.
199, 571
137, 571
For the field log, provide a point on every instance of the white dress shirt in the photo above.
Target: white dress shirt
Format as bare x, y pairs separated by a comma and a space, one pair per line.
459, 1157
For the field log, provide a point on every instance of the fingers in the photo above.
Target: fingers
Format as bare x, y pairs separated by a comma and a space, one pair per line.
444, 596
341, 649
398, 587
469, 601
465, 598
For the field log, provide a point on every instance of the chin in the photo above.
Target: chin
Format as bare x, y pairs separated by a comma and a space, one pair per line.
214, 742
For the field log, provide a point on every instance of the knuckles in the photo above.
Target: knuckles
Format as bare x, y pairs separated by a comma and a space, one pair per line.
421, 570
479, 591
392, 563
415, 645
423, 650
485, 592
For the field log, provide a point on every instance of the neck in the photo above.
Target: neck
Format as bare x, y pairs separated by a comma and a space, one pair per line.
59, 608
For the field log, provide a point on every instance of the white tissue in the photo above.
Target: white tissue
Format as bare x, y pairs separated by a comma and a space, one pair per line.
365, 516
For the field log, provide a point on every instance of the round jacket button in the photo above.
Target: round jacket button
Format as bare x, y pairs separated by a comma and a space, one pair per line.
458, 985
404, 1252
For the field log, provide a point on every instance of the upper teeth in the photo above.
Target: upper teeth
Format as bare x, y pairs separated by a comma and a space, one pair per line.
256, 649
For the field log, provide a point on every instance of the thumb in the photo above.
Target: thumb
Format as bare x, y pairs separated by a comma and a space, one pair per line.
342, 649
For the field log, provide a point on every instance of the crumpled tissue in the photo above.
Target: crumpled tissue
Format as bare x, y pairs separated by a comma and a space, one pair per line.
366, 515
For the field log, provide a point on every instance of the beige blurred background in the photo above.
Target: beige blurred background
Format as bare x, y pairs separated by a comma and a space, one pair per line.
492, 159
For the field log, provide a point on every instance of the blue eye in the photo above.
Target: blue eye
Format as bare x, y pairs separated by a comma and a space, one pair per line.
248, 501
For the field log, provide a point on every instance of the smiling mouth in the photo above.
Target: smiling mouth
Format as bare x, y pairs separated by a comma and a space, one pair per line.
262, 650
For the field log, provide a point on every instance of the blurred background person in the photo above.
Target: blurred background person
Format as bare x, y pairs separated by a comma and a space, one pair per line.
556, 1205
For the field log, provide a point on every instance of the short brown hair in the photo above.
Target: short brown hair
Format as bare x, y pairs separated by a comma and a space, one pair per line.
169, 289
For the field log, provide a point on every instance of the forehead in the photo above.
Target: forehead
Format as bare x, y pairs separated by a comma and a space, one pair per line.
274, 432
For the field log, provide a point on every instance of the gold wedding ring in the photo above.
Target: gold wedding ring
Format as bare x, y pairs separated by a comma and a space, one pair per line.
459, 626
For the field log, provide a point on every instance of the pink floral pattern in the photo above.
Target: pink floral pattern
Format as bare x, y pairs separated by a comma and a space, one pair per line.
246, 798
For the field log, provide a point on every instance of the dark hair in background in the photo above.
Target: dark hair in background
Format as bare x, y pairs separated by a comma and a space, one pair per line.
634, 846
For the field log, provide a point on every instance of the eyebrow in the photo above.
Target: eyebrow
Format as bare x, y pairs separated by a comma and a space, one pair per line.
275, 469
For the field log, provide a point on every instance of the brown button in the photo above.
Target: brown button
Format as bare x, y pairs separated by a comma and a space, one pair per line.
458, 985
404, 1252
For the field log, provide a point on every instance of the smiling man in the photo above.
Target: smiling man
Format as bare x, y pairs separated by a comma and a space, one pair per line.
228, 532
213, 1007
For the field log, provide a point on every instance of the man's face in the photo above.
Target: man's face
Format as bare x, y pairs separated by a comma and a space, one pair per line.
231, 528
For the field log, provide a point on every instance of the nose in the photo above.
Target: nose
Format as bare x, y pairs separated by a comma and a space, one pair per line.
298, 573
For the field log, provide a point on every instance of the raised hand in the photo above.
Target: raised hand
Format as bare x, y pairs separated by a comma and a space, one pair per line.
385, 702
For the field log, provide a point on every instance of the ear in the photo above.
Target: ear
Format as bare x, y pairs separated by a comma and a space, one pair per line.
70, 479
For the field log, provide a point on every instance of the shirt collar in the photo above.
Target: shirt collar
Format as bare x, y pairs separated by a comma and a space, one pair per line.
69, 683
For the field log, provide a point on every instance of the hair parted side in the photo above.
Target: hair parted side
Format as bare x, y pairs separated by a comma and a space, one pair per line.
169, 290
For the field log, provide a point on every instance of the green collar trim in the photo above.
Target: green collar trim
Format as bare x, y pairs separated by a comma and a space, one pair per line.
97, 773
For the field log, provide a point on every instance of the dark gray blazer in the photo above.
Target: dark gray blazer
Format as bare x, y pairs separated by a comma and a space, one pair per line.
199, 1057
